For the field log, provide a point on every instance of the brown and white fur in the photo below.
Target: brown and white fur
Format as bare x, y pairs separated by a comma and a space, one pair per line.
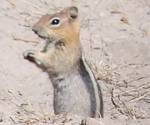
75, 88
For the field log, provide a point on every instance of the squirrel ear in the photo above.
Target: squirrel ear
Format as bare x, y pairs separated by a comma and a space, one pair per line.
73, 12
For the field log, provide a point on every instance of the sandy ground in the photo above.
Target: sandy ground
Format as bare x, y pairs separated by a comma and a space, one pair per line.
115, 38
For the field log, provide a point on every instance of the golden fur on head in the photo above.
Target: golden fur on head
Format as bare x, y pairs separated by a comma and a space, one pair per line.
68, 29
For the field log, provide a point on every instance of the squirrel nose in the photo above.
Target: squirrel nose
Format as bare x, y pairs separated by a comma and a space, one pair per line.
35, 31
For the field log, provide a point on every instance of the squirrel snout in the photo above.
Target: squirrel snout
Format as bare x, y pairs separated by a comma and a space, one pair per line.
35, 30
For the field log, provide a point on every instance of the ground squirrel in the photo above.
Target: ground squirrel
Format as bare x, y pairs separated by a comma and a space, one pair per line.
75, 88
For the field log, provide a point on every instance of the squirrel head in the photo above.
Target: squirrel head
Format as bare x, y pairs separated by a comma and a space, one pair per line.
62, 25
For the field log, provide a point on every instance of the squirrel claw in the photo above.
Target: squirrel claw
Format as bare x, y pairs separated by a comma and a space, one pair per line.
29, 55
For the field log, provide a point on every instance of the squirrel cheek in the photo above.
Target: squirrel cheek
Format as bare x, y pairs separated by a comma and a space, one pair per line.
60, 45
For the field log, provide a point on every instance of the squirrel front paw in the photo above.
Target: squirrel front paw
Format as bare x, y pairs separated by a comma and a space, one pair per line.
31, 56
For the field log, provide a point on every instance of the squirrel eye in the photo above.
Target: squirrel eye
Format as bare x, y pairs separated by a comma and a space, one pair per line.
55, 21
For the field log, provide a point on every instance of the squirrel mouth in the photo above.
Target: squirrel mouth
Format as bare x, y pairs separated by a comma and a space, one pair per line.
43, 37
48, 39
